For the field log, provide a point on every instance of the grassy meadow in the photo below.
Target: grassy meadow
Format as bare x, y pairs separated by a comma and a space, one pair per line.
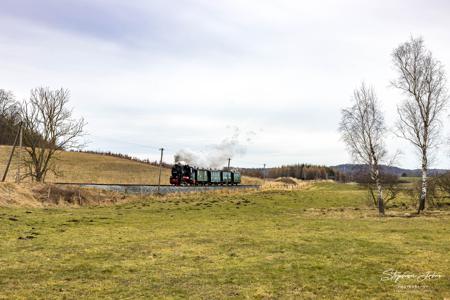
320, 241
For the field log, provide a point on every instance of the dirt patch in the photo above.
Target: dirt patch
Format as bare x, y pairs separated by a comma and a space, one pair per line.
287, 180
285, 183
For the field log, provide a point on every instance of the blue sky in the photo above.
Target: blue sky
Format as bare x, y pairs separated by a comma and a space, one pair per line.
185, 74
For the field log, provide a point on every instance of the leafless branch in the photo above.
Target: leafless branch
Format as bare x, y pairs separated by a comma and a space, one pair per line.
49, 128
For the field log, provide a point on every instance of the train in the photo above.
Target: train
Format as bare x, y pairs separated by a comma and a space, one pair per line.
188, 175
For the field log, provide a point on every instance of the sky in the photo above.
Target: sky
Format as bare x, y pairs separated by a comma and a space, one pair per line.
189, 74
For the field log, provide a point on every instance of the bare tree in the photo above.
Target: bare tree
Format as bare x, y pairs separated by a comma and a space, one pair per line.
48, 128
362, 128
422, 79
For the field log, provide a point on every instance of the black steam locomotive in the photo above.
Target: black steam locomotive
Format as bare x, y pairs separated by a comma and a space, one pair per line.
188, 175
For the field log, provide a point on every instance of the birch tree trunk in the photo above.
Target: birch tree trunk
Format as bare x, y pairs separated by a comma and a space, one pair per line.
379, 193
423, 192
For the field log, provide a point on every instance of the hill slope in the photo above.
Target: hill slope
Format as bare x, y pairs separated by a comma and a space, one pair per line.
86, 167
95, 168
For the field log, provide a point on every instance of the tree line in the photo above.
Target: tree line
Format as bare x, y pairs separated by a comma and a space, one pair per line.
299, 171
9, 117
421, 79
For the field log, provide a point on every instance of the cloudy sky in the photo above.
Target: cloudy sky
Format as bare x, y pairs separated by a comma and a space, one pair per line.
184, 74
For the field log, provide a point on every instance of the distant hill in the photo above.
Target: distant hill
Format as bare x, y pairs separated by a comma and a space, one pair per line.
101, 168
95, 168
358, 168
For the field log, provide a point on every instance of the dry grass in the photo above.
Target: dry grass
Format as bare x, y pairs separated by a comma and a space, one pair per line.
85, 167
291, 184
287, 180
35, 195
252, 180
12, 195
48, 195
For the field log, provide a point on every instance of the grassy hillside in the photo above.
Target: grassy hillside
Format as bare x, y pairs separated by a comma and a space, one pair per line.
86, 167
319, 242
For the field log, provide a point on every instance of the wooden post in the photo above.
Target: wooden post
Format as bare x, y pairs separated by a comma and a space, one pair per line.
12, 153
19, 160
264, 172
160, 169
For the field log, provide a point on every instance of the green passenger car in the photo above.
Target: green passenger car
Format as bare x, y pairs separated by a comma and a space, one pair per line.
226, 177
236, 177
202, 176
215, 177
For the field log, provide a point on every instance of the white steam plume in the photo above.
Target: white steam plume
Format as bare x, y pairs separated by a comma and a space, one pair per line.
216, 156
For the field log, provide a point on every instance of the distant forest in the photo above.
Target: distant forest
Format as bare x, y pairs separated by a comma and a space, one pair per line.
299, 171
9, 118
8, 131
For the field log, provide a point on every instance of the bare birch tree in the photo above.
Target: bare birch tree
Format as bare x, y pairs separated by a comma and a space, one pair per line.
362, 128
422, 79
48, 128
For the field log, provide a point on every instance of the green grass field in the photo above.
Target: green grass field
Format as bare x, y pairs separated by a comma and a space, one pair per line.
320, 242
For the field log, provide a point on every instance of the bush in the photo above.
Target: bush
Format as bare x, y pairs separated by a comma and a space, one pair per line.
432, 191
443, 183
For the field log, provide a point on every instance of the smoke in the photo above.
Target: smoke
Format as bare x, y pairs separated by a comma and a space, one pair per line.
216, 156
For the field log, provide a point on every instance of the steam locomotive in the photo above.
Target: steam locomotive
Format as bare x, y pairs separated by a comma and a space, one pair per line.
188, 175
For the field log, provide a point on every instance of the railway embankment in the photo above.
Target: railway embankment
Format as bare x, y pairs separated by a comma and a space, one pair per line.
154, 189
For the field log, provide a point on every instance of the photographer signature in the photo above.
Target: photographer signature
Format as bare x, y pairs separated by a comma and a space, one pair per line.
396, 276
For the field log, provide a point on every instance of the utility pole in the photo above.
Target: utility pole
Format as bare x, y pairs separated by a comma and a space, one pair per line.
12, 153
264, 172
19, 161
229, 164
160, 168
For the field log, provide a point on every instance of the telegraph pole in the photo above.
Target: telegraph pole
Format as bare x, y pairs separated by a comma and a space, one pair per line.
19, 163
264, 172
160, 168
12, 152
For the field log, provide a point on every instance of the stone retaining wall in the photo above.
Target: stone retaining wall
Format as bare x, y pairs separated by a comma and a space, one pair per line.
164, 189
